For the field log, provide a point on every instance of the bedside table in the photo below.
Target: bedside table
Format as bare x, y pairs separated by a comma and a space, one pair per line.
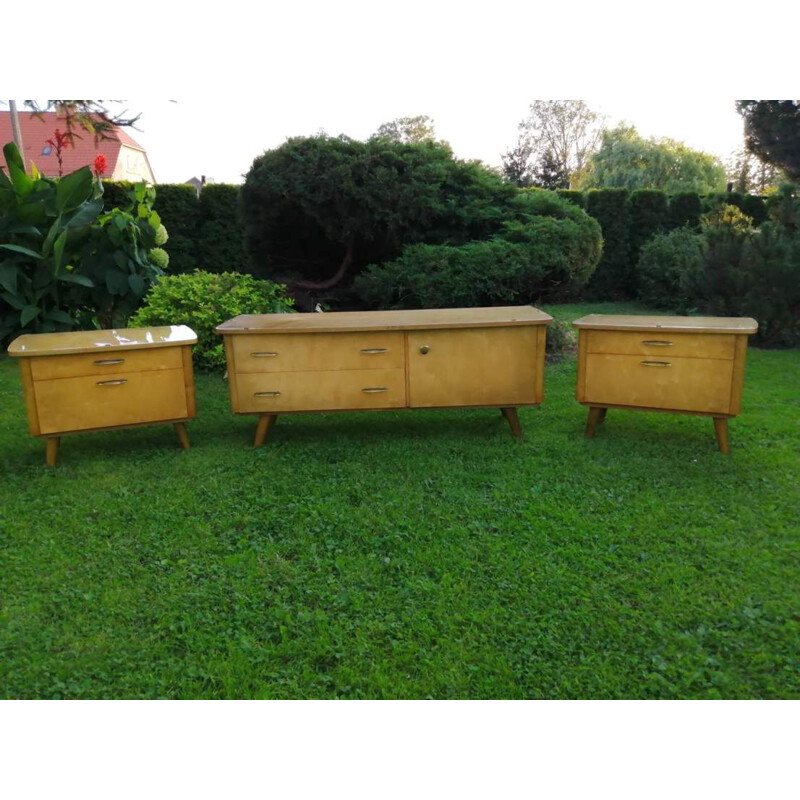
683, 365
95, 380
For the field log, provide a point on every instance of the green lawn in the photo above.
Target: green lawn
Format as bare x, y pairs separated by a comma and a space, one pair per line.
408, 554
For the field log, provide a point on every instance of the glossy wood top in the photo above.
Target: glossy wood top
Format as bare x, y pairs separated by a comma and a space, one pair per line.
421, 319
55, 344
625, 322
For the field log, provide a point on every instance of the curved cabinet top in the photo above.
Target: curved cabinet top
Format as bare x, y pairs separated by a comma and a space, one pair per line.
57, 344
415, 319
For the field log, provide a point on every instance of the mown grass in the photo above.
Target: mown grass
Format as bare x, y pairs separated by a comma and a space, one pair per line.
408, 554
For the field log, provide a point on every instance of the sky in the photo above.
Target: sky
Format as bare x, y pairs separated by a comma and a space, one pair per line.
183, 140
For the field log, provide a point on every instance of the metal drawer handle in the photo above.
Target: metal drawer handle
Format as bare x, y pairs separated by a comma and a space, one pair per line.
266, 394
657, 363
371, 350
104, 362
264, 354
375, 389
112, 383
657, 343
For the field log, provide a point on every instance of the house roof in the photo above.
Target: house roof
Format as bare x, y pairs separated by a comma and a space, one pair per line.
37, 129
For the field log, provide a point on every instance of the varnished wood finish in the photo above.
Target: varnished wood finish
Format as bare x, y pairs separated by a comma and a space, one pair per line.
183, 436
94, 380
101, 342
490, 357
51, 450
265, 423
721, 430
688, 384
342, 321
126, 398
665, 324
594, 420
689, 365
102, 364
337, 390
304, 352
484, 366
513, 421
662, 345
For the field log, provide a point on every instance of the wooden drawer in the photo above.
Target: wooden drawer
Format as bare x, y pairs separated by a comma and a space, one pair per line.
317, 351
680, 384
127, 398
662, 345
109, 363
320, 391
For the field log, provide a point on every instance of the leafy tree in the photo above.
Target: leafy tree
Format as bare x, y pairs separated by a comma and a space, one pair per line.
407, 130
549, 173
318, 202
750, 174
626, 160
772, 132
92, 116
567, 129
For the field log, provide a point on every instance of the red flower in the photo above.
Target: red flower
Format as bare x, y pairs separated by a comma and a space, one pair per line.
61, 141
99, 164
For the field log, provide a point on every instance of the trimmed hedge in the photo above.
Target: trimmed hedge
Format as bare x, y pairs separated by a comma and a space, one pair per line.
613, 275
220, 238
685, 210
649, 215
179, 210
578, 198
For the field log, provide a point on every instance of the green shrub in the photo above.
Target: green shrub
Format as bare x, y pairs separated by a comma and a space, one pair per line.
578, 198
670, 270
179, 209
562, 338
220, 237
685, 210
547, 249
649, 215
612, 277
755, 208
203, 300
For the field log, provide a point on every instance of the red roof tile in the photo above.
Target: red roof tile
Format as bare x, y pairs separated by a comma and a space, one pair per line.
37, 130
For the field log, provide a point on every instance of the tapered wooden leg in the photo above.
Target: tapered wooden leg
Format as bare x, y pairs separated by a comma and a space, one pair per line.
265, 422
721, 429
595, 418
513, 421
183, 436
51, 452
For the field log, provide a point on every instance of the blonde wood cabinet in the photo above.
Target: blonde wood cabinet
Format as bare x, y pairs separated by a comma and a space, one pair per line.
685, 365
94, 380
369, 360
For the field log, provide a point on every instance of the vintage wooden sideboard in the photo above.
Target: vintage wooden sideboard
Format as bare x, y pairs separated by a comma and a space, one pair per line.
686, 365
94, 380
369, 360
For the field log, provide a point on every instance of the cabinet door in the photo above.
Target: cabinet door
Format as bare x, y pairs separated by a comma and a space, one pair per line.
475, 367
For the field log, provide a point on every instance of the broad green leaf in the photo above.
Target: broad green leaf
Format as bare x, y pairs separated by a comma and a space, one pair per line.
73, 189
35, 174
8, 277
85, 214
121, 259
47, 247
71, 277
27, 314
13, 300
116, 282
59, 316
58, 250
154, 219
137, 284
16, 170
24, 250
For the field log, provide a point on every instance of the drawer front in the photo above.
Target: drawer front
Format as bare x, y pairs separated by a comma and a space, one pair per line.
108, 362
682, 384
321, 391
475, 367
662, 345
126, 398
303, 352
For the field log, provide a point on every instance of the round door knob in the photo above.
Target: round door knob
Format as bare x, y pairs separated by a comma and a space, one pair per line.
424, 349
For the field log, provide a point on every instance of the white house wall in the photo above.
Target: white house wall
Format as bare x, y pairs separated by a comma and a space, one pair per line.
132, 166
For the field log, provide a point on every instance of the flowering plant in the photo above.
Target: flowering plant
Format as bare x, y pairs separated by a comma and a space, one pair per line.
60, 142
99, 165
